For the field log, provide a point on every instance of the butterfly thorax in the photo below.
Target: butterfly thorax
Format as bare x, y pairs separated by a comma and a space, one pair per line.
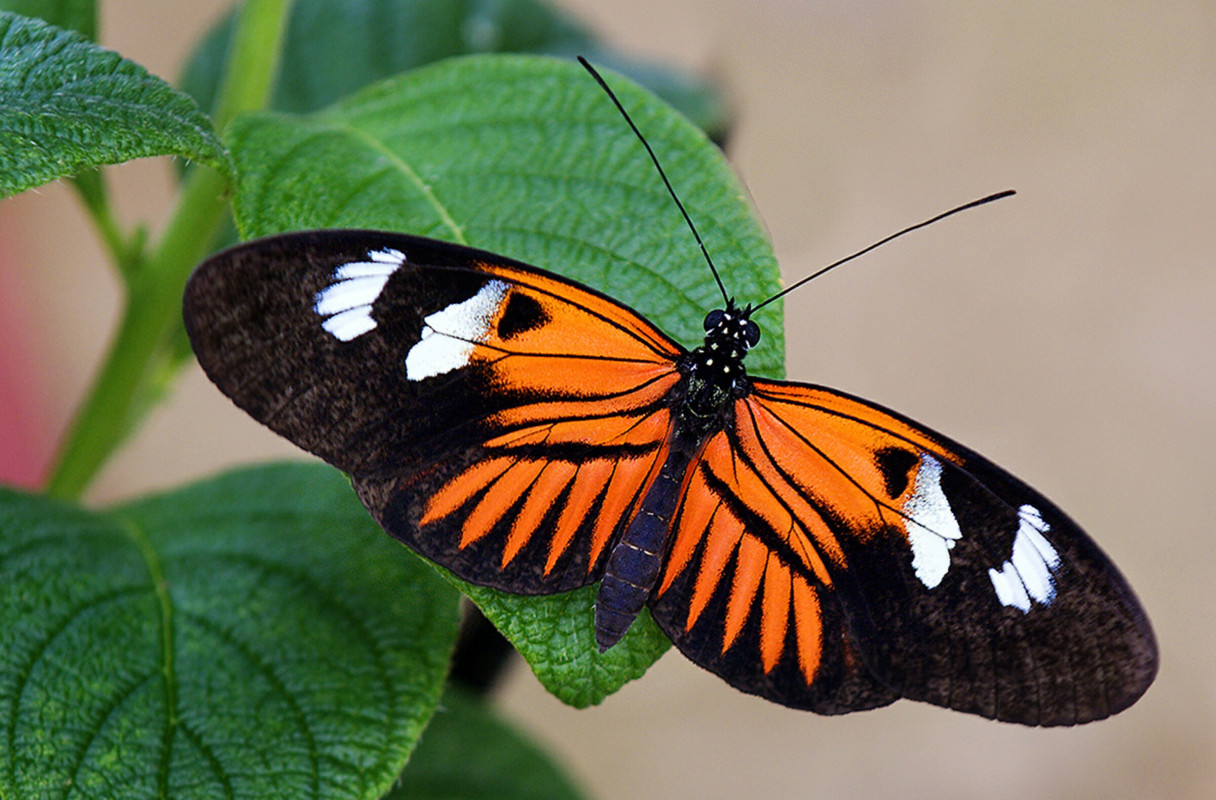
714, 371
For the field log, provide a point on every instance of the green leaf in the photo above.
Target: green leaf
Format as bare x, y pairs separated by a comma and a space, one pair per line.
468, 753
525, 156
251, 636
67, 105
556, 636
336, 47
74, 15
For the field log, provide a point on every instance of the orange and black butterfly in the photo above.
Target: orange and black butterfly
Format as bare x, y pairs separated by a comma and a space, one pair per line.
533, 435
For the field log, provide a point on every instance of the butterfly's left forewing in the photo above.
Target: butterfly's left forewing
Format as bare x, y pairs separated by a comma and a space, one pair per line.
832, 555
497, 418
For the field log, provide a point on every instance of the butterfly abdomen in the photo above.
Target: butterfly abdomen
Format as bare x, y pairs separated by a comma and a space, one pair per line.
635, 561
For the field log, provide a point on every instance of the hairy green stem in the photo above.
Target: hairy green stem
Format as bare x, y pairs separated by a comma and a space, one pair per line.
153, 305
152, 312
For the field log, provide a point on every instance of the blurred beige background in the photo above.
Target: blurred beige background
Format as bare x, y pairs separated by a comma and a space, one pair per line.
1067, 333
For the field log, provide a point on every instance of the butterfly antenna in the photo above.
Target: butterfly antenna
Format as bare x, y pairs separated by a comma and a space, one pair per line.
881, 242
604, 85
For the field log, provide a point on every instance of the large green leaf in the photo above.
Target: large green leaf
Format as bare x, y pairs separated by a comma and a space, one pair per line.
467, 753
67, 105
252, 636
336, 47
527, 157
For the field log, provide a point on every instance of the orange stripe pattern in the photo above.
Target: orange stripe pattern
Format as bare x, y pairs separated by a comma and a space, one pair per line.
765, 504
607, 414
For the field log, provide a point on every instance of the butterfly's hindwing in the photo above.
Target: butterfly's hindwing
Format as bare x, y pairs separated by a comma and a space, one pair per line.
740, 600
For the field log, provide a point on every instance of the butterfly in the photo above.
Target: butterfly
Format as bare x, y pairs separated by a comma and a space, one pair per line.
531, 434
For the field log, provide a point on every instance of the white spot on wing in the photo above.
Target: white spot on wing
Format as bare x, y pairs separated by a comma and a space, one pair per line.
1027, 575
1009, 590
932, 528
350, 324
347, 302
449, 335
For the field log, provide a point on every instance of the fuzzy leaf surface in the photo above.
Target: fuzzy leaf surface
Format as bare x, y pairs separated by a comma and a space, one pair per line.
68, 105
251, 636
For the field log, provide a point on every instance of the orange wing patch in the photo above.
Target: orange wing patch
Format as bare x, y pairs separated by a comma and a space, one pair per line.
721, 539
764, 506
775, 611
749, 569
515, 482
588, 484
554, 477
590, 322
829, 449
580, 422
808, 626
776, 576
596, 348
627, 418
593, 495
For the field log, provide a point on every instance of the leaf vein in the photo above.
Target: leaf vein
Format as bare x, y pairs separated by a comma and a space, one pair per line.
267, 669
37, 652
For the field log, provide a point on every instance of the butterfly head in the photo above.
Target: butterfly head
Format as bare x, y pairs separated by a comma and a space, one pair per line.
731, 330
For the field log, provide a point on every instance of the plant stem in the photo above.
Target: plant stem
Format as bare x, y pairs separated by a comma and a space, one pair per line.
152, 307
253, 59
125, 252
154, 293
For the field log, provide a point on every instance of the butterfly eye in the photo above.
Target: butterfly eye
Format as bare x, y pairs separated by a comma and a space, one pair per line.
752, 333
714, 318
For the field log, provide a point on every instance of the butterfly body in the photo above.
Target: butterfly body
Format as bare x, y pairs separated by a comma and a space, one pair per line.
712, 376
533, 435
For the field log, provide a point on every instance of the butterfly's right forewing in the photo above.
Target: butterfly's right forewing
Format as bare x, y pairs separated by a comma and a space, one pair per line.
833, 555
